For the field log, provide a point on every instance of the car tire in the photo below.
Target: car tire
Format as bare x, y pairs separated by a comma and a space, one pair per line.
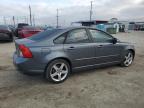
57, 71
128, 59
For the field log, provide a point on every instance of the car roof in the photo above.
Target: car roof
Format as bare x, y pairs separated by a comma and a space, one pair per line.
77, 27
66, 29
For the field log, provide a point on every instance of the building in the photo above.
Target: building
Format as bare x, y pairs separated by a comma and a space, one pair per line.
92, 23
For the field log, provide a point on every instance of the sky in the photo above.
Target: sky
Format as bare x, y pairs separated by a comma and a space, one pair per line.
44, 11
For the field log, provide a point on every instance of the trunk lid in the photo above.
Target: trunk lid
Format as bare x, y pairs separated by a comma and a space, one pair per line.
24, 41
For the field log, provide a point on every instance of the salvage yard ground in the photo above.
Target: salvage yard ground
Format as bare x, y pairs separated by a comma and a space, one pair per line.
111, 87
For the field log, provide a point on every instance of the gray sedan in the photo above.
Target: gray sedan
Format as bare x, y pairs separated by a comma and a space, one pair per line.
58, 52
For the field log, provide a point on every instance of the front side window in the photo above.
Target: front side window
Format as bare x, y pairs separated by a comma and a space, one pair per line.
77, 36
100, 37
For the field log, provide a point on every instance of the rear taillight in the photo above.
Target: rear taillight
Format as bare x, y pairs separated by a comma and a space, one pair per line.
25, 51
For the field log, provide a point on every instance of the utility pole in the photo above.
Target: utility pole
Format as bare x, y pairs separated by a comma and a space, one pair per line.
27, 21
30, 15
57, 18
14, 21
17, 20
33, 20
4, 20
91, 10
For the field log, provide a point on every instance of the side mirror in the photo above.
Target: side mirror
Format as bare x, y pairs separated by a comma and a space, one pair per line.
114, 40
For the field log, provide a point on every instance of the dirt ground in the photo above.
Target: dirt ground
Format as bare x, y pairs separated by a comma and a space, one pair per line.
111, 87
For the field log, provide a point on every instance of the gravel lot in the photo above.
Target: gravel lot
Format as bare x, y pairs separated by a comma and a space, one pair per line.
111, 87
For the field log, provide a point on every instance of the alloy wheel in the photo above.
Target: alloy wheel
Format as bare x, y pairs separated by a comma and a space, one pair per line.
128, 59
59, 72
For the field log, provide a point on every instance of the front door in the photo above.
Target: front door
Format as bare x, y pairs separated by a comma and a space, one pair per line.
105, 50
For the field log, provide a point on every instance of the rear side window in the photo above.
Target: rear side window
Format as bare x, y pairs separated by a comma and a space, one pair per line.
60, 39
77, 36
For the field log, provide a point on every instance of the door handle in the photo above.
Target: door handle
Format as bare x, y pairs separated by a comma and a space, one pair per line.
71, 48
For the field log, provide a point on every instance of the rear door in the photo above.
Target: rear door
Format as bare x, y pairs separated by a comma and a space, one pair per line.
105, 51
79, 48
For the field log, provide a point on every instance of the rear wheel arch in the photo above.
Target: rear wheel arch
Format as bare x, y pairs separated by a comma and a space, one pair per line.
63, 76
60, 58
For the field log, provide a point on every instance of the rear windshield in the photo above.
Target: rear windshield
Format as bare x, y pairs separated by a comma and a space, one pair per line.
44, 34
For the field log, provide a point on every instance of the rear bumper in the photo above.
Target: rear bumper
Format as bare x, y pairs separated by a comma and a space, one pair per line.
25, 65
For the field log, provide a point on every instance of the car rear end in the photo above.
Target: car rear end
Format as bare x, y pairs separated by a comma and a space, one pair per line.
27, 58
30, 56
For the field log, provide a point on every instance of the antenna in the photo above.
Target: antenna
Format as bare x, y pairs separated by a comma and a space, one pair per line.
4, 20
33, 20
14, 21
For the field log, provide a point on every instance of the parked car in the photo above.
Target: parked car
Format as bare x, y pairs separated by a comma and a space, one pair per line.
58, 52
19, 27
5, 33
27, 31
